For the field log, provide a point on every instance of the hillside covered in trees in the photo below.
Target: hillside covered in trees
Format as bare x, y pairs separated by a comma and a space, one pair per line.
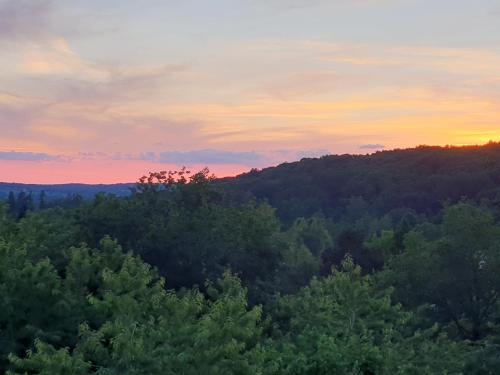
421, 179
381, 264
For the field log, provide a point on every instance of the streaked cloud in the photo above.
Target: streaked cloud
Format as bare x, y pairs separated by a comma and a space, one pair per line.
372, 146
300, 4
194, 157
28, 156
54, 57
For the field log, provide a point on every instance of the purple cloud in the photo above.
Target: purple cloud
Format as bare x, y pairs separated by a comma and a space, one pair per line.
372, 146
27, 156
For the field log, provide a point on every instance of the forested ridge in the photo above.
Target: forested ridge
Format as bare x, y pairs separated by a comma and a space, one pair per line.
422, 179
379, 264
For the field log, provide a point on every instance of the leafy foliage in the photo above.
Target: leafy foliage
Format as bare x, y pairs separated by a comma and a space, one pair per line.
185, 276
342, 325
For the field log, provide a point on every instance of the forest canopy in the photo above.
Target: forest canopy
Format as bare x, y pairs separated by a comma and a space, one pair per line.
355, 267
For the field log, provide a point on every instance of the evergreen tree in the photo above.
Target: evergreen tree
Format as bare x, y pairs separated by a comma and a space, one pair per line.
12, 203
42, 203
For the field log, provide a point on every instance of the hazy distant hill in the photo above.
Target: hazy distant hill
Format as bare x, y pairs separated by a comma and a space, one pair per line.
53, 192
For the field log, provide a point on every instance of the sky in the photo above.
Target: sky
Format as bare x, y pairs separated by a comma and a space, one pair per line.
105, 91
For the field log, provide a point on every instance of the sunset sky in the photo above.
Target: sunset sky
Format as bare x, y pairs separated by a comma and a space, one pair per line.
105, 91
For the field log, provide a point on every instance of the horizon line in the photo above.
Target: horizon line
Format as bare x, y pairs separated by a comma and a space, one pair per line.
367, 154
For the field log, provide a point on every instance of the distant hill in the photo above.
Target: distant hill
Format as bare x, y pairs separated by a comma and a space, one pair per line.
420, 179
54, 192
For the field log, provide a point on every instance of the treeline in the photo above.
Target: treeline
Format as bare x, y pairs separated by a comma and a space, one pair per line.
187, 277
62, 191
18, 205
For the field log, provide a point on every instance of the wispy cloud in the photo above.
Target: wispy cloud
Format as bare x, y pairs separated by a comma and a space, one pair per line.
248, 159
452, 60
17, 114
54, 57
308, 153
28, 156
288, 5
372, 146
120, 83
304, 84
205, 157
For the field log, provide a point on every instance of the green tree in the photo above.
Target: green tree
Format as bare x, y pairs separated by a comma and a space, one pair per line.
184, 227
42, 204
343, 325
457, 274
134, 326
